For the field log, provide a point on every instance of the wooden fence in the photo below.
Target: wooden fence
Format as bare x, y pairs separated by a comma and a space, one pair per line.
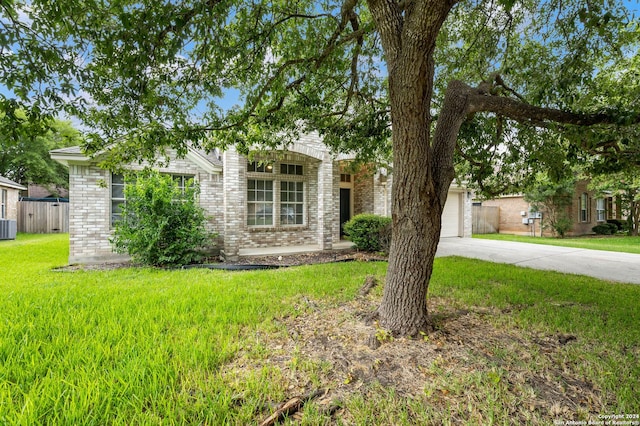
486, 220
36, 217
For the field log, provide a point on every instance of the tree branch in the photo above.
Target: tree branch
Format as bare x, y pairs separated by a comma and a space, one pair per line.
479, 100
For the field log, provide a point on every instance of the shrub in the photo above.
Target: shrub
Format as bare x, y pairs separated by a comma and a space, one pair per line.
605, 229
561, 226
369, 232
617, 223
161, 223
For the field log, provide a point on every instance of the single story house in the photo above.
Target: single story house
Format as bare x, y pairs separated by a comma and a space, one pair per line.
586, 211
9, 195
35, 191
298, 196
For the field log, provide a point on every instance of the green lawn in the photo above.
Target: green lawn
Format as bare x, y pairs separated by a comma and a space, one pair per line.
144, 346
615, 243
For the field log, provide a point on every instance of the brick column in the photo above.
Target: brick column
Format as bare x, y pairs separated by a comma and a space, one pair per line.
234, 207
326, 210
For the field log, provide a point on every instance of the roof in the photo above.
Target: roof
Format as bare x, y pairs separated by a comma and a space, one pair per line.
68, 150
212, 156
11, 184
209, 161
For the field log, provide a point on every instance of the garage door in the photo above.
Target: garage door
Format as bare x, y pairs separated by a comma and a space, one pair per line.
451, 216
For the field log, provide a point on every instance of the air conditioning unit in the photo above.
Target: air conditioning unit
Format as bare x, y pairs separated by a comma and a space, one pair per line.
8, 229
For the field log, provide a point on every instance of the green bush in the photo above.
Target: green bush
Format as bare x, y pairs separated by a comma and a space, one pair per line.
605, 229
162, 224
561, 226
617, 223
369, 232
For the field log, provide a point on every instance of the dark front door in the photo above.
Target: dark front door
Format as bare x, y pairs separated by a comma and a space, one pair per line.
345, 207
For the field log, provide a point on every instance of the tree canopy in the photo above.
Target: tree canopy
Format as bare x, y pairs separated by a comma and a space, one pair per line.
319, 66
25, 143
502, 88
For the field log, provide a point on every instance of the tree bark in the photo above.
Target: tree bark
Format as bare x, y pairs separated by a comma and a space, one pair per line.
408, 37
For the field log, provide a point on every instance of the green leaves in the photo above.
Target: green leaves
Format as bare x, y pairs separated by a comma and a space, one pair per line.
315, 66
25, 142
161, 224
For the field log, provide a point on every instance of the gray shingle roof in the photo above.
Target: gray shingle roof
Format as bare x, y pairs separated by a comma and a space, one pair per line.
8, 182
212, 156
69, 150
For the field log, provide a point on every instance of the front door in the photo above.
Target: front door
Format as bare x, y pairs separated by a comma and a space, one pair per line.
345, 207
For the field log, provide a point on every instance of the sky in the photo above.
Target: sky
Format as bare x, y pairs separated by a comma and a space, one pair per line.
231, 97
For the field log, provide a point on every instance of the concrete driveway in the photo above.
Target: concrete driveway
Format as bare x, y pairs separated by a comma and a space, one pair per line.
606, 265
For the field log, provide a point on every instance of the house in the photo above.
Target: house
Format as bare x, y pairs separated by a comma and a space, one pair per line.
38, 192
9, 194
297, 197
585, 211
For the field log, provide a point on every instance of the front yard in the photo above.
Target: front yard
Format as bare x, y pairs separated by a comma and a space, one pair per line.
144, 346
595, 242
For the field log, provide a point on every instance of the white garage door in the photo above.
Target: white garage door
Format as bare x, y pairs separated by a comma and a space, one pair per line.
451, 216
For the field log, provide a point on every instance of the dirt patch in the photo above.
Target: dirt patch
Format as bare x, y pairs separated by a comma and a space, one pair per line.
465, 362
310, 258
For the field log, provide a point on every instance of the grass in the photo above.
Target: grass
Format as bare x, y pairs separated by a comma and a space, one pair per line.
609, 243
146, 346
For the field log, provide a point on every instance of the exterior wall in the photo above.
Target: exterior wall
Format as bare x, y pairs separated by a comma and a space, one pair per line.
363, 191
581, 227
90, 208
89, 215
318, 178
512, 206
11, 212
467, 214
382, 193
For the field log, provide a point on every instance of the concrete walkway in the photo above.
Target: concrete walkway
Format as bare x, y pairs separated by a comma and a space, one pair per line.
606, 265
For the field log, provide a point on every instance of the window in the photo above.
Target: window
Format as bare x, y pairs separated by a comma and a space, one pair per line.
183, 181
600, 210
258, 167
584, 207
344, 177
259, 202
117, 192
117, 197
277, 201
3, 204
291, 203
291, 169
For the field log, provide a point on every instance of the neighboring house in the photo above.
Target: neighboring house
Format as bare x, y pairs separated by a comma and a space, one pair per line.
9, 194
294, 197
586, 211
35, 191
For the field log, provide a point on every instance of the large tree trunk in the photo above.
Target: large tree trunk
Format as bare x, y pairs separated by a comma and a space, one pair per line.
415, 208
408, 38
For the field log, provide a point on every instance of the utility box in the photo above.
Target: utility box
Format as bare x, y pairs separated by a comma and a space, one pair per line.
8, 229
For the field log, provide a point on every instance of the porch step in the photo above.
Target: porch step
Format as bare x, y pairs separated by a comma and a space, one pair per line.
276, 251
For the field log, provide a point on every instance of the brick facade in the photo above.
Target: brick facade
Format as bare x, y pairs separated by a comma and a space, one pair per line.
90, 208
513, 209
11, 208
224, 196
